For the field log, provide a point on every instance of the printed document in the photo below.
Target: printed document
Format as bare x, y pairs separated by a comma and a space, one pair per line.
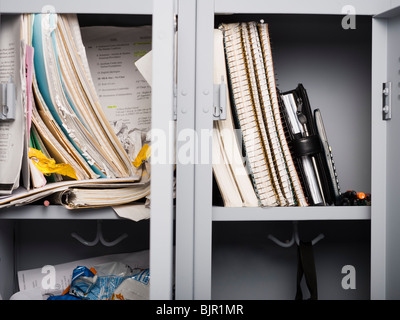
11, 131
124, 93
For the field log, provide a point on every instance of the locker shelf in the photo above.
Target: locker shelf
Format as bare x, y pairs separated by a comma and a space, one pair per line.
57, 213
291, 213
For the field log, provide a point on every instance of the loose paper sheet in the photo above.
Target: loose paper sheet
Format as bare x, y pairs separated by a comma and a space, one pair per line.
144, 65
133, 211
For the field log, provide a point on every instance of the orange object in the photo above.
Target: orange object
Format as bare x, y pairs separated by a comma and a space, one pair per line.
360, 195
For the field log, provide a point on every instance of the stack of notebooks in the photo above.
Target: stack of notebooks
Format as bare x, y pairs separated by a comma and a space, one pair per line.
62, 141
287, 159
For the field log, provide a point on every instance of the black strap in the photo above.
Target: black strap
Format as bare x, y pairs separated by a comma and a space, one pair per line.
306, 266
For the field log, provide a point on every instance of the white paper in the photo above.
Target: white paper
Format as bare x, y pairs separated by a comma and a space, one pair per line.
123, 92
11, 132
134, 211
144, 65
33, 294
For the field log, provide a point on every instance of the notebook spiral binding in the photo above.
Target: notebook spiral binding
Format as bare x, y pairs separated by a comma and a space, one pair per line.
253, 89
268, 151
262, 73
267, 53
243, 106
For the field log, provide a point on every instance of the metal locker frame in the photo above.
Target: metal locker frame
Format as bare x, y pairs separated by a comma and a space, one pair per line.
379, 213
162, 211
185, 140
385, 282
164, 53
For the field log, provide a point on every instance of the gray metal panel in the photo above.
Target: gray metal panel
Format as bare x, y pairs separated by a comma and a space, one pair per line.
30, 212
185, 145
247, 265
203, 170
292, 213
162, 218
378, 161
7, 265
77, 6
392, 11
393, 160
45, 242
362, 7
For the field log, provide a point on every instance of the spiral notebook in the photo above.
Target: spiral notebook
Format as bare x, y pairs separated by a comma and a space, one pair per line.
255, 104
229, 171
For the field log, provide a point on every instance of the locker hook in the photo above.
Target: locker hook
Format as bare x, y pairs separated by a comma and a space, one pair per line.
99, 237
295, 238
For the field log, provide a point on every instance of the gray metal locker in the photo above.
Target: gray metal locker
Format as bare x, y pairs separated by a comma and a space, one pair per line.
34, 235
343, 70
201, 250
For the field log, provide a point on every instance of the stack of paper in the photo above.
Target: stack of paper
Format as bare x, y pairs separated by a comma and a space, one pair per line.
12, 135
75, 127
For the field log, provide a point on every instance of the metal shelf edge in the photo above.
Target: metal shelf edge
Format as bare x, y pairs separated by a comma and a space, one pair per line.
291, 213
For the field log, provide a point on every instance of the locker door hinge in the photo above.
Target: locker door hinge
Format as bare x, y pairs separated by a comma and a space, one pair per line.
175, 104
219, 102
387, 101
219, 107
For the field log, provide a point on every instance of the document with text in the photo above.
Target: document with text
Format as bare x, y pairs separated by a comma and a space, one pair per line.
12, 128
124, 93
